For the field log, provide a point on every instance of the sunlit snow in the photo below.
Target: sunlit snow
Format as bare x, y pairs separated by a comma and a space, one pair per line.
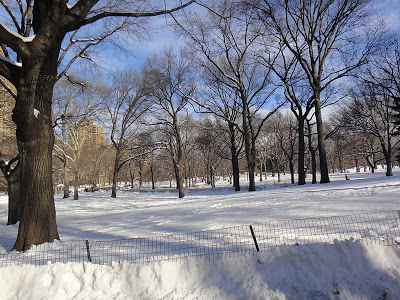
343, 270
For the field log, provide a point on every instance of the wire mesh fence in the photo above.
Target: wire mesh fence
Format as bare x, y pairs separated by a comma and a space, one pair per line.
379, 228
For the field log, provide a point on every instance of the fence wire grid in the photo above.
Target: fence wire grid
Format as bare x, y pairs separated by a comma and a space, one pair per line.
379, 228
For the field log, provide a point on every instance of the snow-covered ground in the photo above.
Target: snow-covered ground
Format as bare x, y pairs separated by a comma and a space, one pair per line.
344, 270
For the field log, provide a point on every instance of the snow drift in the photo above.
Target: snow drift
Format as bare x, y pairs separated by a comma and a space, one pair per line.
344, 270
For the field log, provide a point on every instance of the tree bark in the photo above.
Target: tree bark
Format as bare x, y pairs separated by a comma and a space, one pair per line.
249, 147
153, 184
35, 138
76, 183
114, 179
388, 159
234, 158
323, 163
66, 180
313, 155
300, 158
179, 179
13, 177
212, 175
291, 168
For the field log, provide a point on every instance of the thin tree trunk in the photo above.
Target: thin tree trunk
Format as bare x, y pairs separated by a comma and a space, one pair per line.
66, 180
212, 176
140, 177
153, 185
132, 175
115, 176
300, 157
14, 194
249, 148
181, 190
279, 175
388, 158
235, 164
76, 183
13, 177
291, 168
313, 154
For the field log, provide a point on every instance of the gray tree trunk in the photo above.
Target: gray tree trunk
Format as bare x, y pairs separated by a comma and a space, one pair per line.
13, 177
323, 163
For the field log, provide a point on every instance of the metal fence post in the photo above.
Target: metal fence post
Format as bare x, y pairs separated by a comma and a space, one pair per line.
88, 251
254, 238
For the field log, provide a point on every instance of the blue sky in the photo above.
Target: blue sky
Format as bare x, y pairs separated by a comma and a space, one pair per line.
163, 36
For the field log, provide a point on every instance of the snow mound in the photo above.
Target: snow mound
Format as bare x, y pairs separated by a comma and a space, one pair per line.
344, 270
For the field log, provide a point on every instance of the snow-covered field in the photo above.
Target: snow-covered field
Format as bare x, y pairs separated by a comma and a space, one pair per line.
344, 270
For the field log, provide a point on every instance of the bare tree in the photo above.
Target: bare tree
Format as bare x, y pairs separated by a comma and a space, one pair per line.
369, 111
284, 128
224, 102
354, 145
296, 91
168, 74
224, 41
384, 73
30, 62
209, 145
326, 39
74, 107
125, 102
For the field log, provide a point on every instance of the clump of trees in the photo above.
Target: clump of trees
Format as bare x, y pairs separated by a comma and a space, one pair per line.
245, 93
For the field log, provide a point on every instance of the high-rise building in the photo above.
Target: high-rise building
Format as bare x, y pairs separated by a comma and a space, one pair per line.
7, 126
92, 134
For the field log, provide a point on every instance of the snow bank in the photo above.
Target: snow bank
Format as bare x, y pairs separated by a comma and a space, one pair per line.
344, 270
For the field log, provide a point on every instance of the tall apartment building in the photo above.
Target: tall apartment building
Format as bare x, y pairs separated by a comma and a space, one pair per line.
7, 126
8, 142
92, 134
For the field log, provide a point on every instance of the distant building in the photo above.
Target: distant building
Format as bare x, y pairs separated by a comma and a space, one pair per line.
8, 143
92, 134
7, 126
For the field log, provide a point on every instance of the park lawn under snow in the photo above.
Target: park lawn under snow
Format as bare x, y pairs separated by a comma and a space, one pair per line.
343, 270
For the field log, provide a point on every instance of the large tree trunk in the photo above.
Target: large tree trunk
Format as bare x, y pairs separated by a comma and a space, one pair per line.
35, 138
323, 163
234, 158
388, 159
